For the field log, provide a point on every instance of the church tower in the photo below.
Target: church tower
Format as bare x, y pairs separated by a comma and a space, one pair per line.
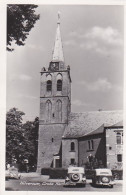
55, 106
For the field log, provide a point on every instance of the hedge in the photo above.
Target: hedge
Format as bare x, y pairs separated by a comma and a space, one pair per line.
60, 173
54, 173
89, 173
45, 171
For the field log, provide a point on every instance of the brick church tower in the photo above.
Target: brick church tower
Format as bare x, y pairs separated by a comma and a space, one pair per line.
55, 106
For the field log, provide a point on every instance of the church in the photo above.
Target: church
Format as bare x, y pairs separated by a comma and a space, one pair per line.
67, 138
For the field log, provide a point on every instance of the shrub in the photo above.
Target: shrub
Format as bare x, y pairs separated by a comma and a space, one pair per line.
58, 173
54, 173
45, 171
89, 173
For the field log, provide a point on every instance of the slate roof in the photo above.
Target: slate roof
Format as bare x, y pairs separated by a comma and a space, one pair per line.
97, 131
81, 124
119, 124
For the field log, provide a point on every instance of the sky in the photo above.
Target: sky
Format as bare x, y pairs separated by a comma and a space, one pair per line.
92, 39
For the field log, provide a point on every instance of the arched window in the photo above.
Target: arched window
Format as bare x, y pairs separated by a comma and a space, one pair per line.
49, 82
59, 85
72, 146
49, 85
59, 110
48, 111
59, 82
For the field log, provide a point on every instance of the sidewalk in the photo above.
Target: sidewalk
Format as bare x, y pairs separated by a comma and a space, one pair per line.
37, 177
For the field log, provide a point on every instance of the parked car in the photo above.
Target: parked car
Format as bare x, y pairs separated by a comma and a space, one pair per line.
75, 176
103, 177
12, 173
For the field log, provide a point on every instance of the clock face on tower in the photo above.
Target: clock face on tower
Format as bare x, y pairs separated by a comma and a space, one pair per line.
54, 66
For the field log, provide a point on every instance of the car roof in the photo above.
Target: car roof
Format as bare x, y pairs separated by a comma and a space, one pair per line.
75, 169
103, 172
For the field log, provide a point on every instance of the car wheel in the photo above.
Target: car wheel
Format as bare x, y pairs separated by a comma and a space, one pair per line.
105, 179
111, 186
75, 177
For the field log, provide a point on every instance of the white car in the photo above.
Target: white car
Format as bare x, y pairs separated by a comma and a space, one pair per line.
103, 177
12, 173
75, 176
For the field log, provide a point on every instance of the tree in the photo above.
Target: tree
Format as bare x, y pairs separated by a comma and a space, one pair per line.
21, 139
20, 20
14, 135
31, 136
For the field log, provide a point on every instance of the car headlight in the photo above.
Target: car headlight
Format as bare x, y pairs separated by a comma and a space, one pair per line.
67, 179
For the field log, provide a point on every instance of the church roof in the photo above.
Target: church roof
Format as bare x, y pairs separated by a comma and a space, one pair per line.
81, 124
97, 131
119, 124
58, 48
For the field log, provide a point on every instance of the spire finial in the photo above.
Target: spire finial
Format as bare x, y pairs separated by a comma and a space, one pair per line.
58, 17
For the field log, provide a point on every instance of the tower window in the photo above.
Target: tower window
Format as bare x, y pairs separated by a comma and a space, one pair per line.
59, 110
48, 111
72, 146
59, 85
49, 85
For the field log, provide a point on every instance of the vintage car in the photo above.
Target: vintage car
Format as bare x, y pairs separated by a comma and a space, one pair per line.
75, 176
103, 177
12, 173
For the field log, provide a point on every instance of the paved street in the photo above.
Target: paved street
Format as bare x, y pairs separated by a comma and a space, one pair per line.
37, 183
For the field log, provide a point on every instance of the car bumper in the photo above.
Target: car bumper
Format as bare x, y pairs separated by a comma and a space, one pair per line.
105, 184
75, 183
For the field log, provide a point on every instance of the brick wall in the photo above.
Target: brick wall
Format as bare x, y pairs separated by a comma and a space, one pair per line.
65, 105
98, 151
67, 154
66, 88
112, 149
47, 146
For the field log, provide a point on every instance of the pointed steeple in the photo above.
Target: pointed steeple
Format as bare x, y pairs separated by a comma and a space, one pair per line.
58, 48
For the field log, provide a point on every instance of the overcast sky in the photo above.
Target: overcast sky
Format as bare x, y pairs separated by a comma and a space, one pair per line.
92, 39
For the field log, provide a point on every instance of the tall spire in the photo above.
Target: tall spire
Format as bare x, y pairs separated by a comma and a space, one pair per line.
58, 48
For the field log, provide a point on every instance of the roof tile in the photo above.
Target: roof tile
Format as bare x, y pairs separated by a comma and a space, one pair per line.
81, 124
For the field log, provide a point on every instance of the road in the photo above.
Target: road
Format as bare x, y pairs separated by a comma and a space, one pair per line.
25, 185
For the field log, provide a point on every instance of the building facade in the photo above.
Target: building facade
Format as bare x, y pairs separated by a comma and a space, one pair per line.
67, 138
114, 146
